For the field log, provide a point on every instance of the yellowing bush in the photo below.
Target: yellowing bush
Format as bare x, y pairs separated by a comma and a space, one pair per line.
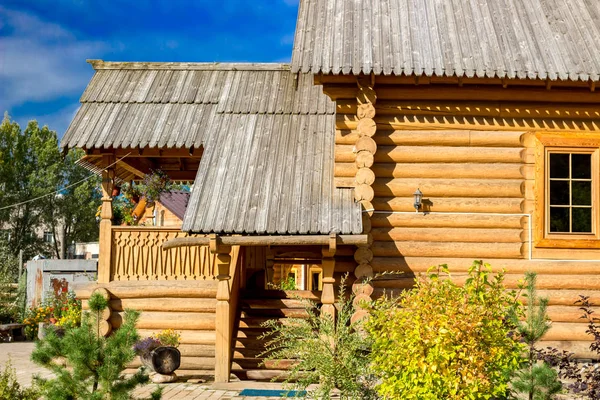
441, 340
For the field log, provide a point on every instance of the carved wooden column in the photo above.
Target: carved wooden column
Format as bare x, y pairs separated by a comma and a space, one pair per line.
222, 323
328, 266
365, 148
106, 214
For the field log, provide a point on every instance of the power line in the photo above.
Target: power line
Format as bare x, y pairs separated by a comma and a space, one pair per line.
61, 189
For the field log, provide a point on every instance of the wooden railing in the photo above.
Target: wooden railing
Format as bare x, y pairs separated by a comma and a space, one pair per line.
137, 255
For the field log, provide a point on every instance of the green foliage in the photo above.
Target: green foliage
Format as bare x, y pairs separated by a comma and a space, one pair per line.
288, 284
31, 166
94, 364
9, 263
331, 354
441, 340
154, 184
168, 337
72, 212
535, 378
10, 389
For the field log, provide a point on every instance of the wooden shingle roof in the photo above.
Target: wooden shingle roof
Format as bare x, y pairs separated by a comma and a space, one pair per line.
535, 39
267, 134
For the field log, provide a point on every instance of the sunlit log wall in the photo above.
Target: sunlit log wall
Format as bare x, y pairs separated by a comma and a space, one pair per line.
474, 158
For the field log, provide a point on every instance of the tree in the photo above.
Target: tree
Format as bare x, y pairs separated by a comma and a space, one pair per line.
31, 166
536, 379
94, 363
71, 215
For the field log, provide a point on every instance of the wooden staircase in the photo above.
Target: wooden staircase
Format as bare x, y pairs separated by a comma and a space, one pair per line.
255, 309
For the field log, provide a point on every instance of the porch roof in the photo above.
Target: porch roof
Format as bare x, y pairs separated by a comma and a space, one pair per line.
266, 136
533, 39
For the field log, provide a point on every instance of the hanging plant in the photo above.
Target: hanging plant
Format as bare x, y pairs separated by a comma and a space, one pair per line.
155, 184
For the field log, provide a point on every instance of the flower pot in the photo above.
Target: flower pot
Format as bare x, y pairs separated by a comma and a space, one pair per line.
116, 191
163, 360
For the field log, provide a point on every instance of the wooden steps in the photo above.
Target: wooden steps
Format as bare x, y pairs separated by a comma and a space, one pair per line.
256, 308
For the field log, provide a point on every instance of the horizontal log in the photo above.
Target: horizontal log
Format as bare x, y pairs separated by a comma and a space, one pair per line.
467, 93
449, 235
580, 349
512, 266
468, 138
448, 221
470, 93
169, 320
569, 331
447, 249
296, 240
151, 289
441, 170
180, 304
565, 314
452, 204
438, 187
437, 154
511, 281
187, 363
197, 350
187, 336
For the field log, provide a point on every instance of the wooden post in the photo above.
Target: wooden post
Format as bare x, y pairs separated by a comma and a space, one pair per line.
269, 268
223, 312
106, 214
328, 266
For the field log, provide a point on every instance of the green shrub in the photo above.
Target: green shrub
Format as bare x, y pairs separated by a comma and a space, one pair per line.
536, 379
442, 340
94, 364
333, 354
10, 389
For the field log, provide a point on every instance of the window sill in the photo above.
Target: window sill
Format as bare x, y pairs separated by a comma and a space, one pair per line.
568, 243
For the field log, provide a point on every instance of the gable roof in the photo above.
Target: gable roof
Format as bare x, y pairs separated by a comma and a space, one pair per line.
535, 39
267, 134
175, 201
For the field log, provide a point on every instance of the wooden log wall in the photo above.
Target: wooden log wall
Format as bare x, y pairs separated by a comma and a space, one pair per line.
187, 307
474, 161
137, 255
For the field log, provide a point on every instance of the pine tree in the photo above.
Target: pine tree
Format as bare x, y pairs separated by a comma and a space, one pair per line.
536, 379
94, 364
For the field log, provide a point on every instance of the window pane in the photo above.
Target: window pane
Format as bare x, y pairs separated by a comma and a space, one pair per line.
582, 220
582, 166
559, 219
582, 193
559, 165
559, 193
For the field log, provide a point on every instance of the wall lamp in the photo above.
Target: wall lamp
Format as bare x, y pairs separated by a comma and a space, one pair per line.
418, 197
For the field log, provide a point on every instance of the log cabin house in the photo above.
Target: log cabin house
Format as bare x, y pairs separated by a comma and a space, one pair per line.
489, 108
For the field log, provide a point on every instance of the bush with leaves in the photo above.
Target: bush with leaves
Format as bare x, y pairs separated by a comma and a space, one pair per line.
442, 340
10, 389
332, 353
94, 364
581, 379
536, 379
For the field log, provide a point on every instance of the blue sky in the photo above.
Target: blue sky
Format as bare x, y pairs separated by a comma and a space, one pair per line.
44, 43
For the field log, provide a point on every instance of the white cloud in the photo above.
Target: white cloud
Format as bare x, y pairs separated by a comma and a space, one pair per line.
41, 61
57, 121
